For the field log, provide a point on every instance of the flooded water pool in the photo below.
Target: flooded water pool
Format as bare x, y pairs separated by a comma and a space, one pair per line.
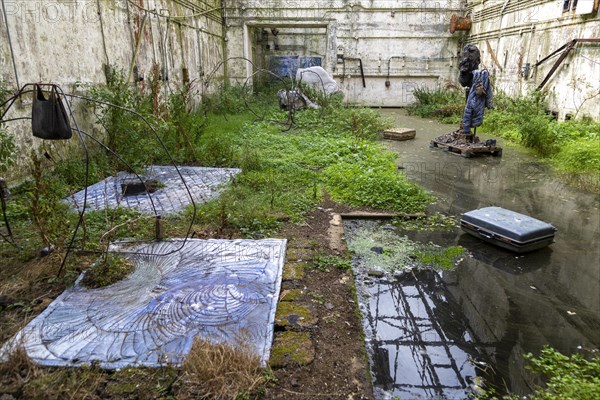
419, 343
508, 304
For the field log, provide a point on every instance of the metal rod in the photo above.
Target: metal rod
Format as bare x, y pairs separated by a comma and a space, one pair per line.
12, 53
567, 50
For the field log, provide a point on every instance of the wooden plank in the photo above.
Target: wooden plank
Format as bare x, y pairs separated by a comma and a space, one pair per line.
399, 134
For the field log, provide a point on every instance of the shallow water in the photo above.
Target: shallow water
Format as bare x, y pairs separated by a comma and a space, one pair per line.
418, 340
511, 304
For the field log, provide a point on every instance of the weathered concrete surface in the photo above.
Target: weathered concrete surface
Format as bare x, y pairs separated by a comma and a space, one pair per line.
336, 234
519, 34
70, 42
411, 38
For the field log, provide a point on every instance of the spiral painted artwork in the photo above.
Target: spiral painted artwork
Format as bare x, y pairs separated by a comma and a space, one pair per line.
173, 194
220, 290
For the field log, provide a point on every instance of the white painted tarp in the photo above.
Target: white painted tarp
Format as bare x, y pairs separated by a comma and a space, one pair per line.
220, 290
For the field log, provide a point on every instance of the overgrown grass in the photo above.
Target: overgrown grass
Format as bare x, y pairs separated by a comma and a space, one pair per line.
220, 372
284, 173
572, 147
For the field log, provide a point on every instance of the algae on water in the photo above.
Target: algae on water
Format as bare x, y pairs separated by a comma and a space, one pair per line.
384, 249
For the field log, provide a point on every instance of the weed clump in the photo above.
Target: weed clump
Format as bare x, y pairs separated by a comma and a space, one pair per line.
573, 377
323, 262
219, 371
18, 367
106, 271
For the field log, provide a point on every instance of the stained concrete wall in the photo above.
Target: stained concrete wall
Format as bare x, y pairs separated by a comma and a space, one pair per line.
70, 42
406, 43
514, 36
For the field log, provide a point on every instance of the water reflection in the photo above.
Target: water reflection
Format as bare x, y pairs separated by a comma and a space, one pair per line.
421, 346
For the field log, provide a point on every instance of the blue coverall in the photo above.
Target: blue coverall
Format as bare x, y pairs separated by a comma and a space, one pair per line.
473, 116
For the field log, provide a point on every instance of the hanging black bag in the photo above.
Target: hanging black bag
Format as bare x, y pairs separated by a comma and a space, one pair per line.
49, 120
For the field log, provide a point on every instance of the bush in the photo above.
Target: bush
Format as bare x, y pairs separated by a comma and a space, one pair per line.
443, 103
535, 133
573, 377
572, 146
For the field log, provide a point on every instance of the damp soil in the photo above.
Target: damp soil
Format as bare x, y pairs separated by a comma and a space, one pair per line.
340, 368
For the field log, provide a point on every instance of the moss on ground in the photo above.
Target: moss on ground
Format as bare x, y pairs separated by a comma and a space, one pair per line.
291, 349
291, 315
293, 271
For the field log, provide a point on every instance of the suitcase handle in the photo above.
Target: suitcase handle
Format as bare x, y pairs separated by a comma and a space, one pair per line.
485, 234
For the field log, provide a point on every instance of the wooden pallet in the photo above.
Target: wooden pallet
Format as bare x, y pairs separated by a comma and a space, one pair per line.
399, 134
468, 151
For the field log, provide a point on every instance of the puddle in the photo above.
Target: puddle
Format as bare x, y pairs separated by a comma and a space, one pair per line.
419, 342
220, 290
171, 197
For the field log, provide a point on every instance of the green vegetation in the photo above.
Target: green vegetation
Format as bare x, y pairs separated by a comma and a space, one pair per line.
566, 377
286, 170
323, 262
106, 271
573, 377
572, 147
284, 173
7, 148
445, 104
7, 144
446, 258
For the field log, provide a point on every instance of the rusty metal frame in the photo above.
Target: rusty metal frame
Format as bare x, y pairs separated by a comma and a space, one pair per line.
566, 49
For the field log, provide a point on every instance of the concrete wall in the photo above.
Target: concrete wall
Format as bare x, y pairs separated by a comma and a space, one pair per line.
411, 37
69, 42
519, 34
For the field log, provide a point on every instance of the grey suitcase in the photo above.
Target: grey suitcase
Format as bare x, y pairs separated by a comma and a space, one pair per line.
508, 229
